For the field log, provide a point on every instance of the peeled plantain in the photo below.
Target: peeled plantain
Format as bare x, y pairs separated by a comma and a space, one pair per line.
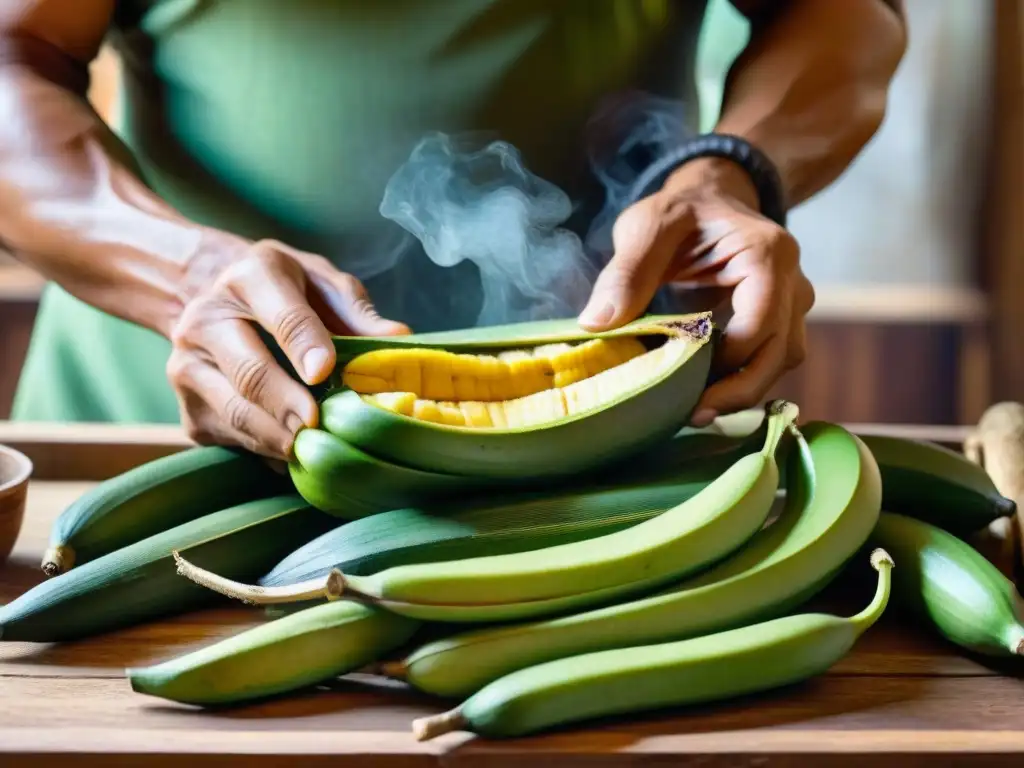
541, 399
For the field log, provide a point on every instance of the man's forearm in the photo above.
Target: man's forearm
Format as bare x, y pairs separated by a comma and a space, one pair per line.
810, 89
82, 218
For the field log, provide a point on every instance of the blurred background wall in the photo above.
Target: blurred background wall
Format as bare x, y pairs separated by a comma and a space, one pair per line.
916, 253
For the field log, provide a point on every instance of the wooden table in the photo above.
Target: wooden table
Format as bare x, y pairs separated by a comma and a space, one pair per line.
900, 699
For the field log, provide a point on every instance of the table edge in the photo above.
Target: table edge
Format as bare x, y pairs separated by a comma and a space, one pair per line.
80, 741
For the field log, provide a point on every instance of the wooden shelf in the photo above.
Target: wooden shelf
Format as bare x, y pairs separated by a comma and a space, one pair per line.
85, 451
855, 303
899, 304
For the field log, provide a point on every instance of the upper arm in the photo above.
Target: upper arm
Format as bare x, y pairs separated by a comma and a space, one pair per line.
57, 38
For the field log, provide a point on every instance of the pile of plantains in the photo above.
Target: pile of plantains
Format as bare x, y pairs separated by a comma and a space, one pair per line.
530, 497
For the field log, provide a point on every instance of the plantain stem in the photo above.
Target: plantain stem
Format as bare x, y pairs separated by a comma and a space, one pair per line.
396, 670
1008, 507
426, 728
58, 559
330, 588
882, 562
782, 415
1015, 639
697, 329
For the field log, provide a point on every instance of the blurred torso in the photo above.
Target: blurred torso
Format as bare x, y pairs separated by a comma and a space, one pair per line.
286, 118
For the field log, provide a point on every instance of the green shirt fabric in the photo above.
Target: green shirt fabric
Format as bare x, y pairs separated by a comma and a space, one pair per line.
286, 120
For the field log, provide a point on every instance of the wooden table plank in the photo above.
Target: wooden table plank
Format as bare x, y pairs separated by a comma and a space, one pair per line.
827, 716
365, 702
85, 452
900, 696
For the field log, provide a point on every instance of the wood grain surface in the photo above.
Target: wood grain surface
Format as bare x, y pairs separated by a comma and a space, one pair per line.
85, 451
901, 698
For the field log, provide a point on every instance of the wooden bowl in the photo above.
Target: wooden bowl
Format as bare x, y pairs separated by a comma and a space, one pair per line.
15, 470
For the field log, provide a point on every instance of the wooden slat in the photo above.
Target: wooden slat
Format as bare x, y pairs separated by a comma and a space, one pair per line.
90, 451
871, 303
835, 382
952, 436
1002, 242
891, 721
895, 304
82, 433
975, 373
833, 748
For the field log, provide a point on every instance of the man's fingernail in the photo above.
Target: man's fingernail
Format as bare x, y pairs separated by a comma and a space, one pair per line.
598, 317
314, 361
391, 328
703, 417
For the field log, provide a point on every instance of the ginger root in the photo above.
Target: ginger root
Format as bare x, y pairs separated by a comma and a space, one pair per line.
997, 444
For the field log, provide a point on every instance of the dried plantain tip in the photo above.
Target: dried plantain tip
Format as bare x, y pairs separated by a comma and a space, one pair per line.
426, 728
880, 558
57, 560
698, 328
784, 408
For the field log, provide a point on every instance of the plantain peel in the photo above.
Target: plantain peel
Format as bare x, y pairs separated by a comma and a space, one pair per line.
517, 387
525, 400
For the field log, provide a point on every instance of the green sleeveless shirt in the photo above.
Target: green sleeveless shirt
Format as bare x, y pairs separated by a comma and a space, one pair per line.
286, 119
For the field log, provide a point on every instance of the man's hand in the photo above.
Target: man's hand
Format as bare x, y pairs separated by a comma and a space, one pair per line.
809, 90
230, 389
703, 229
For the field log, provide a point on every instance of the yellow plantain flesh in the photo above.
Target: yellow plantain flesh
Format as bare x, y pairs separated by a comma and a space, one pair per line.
514, 389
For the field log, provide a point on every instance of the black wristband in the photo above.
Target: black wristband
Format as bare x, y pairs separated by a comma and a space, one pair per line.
761, 170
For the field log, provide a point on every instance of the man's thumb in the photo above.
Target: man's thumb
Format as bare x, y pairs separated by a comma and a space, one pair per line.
622, 292
629, 281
